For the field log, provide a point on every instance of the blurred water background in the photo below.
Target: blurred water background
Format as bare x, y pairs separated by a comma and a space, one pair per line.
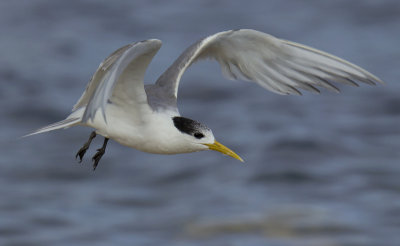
320, 169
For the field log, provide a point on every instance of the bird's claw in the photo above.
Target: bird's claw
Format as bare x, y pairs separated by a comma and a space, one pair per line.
96, 158
81, 152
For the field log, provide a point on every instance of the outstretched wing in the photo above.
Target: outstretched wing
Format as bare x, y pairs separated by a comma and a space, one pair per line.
119, 78
278, 65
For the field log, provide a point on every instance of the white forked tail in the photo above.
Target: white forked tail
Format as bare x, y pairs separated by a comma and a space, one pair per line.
68, 122
72, 120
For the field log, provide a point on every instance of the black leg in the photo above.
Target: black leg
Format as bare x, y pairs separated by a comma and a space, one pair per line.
100, 152
82, 151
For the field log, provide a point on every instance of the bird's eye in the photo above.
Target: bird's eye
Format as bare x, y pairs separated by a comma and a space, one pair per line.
198, 135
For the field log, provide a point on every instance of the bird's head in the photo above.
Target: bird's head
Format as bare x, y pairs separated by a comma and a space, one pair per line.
200, 137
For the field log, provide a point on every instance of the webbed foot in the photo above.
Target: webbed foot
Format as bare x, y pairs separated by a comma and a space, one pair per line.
81, 152
100, 152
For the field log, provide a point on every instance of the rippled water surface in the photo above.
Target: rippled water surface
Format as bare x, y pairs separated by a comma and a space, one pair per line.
320, 169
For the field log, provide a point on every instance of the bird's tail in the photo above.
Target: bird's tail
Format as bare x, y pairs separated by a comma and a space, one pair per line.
72, 120
68, 122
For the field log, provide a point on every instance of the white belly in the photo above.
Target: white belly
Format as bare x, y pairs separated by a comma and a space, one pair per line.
152, 132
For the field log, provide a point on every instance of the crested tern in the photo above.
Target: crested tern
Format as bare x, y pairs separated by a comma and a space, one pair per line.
118, 105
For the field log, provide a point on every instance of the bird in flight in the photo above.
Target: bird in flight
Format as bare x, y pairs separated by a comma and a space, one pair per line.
118, 105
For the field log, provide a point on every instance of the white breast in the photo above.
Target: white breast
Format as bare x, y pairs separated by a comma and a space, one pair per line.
152, 132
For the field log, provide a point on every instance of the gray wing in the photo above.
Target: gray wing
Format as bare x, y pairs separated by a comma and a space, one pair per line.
119, 78
278, 65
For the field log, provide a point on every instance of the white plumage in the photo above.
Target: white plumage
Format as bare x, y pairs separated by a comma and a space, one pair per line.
118, 105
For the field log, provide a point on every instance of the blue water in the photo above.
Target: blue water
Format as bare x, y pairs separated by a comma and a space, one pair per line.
320, 169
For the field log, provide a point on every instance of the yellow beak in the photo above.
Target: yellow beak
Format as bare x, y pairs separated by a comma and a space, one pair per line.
224, 150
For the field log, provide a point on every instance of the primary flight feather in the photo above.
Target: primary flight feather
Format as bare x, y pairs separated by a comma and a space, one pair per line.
119, 106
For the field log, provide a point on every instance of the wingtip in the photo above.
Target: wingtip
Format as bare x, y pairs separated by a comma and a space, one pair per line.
154, 41
26, 135
380, 81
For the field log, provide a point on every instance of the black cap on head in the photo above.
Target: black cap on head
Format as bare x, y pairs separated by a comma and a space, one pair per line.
190, 127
